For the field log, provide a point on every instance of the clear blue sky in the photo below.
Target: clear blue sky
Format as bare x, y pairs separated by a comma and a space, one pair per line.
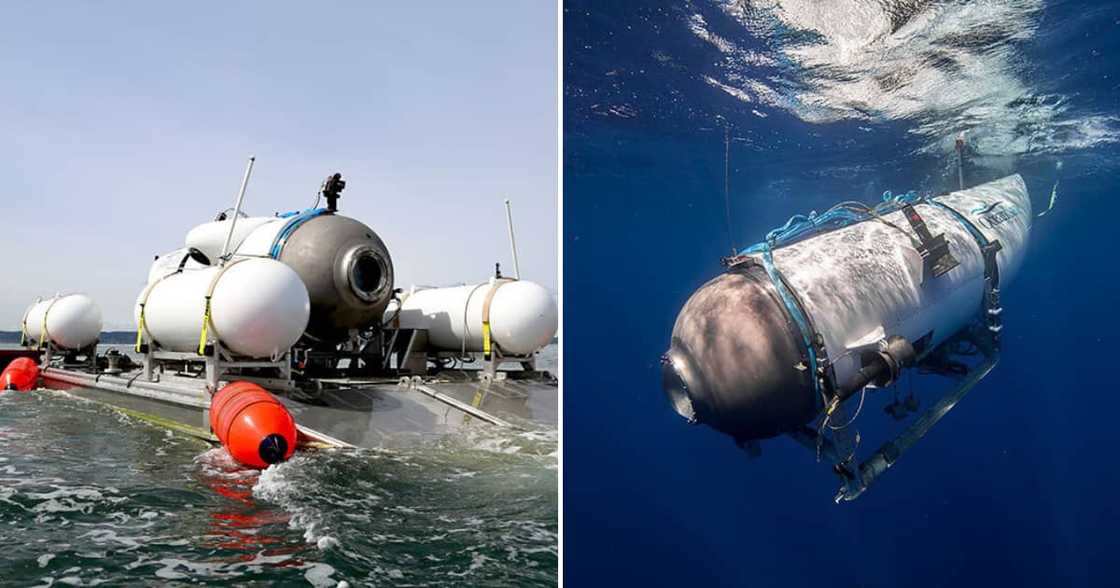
124, 124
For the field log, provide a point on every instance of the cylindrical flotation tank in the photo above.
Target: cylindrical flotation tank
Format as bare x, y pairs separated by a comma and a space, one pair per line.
210, 237
258, 308
522, 315
344, 265
735, 361
71, 322
185, 258
252, 424
21, 374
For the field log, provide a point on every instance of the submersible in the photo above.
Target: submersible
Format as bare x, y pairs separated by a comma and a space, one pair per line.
833, 304
343, 263
271, 333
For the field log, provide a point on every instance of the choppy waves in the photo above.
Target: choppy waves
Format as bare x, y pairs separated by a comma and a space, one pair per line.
88, 496
421, 517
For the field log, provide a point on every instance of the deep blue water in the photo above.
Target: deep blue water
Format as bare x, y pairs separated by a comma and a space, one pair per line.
1018, 485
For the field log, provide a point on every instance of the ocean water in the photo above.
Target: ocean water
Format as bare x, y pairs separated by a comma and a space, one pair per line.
820, 102
89, 496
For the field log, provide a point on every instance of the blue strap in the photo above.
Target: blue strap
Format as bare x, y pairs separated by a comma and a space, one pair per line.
967, 224
800, 227
294, 221
799, 317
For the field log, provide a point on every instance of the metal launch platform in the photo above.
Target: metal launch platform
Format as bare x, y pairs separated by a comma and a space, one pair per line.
334, 412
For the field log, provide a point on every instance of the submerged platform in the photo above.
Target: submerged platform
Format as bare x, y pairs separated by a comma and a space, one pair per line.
339, 412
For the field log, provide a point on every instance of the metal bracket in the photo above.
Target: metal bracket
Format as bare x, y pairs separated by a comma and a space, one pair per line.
934, 249
992, 307
218, 363
490, 366
66, 357
857, 477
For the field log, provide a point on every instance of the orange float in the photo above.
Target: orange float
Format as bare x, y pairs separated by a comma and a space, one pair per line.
253, 426
21, 374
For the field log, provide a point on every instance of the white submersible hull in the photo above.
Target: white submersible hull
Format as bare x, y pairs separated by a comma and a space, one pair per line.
792, 330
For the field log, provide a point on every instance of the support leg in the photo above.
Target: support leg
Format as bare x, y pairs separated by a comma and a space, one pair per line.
213, 371
148, 361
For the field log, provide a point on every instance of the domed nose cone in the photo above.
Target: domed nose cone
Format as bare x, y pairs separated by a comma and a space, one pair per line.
735, 362
347, 271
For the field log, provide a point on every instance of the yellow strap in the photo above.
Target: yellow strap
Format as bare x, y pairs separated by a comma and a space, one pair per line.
43, 327
206, 322
205, 325
486, 342
142, 324
23, 330
476, 402
486, 339
140, 328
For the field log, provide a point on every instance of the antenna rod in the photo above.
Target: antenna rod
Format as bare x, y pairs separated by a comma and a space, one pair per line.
237, 208
960, 159
512, 242
727, 183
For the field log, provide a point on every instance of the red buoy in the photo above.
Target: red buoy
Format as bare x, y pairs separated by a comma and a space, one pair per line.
21, 374
252, 424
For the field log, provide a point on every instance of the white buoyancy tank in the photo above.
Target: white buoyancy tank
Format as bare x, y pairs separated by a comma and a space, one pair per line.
71, 322
209, 238
258, 308
184, 258
523, 315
